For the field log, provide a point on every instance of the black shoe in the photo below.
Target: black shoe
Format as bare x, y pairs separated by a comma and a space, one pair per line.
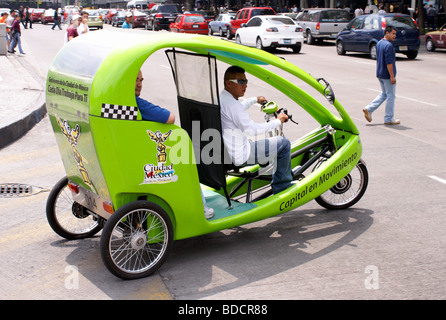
10, 51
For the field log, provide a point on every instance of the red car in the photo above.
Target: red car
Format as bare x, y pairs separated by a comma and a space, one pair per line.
245, 14
189, 23
138, 19
34, 14
109, 16
436, 39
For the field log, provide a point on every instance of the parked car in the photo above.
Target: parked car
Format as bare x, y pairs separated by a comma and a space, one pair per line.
322, 24
48, 16
138, 19
270, 32
95, 19
34, 14
189, 23
436, 39
109, 16
363, 33
118, 18
221, 24
161, 16
243, 16
208, 15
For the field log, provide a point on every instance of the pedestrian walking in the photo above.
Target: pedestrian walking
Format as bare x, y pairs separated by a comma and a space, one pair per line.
9, 20
15, 36
56, 20
386, 73
28, 19
431, 15
22, 15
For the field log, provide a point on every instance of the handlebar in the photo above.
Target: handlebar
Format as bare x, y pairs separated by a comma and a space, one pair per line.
271, 108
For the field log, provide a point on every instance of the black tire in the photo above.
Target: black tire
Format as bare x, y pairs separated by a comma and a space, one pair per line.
297, 47
259, 44
67, 218
348, 191
125, 244
310, 38
411, 55
210, 31
229, 34
221, 32
238, 40
373, 51
430, 46
340, 48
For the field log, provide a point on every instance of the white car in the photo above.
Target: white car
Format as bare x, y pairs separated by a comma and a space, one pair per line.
271, 32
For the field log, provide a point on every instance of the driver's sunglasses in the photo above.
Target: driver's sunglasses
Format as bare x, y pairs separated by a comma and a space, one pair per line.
239, 81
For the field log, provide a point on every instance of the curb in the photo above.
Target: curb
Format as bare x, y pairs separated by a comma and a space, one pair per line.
18, 129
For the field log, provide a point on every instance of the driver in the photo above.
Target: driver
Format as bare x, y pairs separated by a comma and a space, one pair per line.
237, 126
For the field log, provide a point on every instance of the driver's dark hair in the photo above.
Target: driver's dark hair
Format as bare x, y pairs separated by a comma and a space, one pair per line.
232, 71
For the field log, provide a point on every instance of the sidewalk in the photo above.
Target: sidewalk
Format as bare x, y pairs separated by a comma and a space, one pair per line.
22, 96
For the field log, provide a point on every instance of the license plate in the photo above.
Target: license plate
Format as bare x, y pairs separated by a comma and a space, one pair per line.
195, 26
171, 19
403, 48
286, 41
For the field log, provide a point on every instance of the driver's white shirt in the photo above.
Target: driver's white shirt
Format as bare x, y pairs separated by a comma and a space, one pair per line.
237, 126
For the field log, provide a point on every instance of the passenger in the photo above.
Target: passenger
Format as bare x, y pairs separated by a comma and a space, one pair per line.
152, 112
237, 126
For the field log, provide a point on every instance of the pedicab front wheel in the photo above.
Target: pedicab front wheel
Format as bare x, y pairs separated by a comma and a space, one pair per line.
346, 192
68, 218
136, 240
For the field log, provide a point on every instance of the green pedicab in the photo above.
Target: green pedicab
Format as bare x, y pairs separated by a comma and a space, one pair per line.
141, 181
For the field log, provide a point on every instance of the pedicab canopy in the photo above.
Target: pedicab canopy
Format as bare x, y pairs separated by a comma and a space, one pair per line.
105, 145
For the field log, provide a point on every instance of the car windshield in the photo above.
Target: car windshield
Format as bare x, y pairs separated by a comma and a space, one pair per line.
262, 12
400, 22
280, 21
120, 14
93, 13
194, 19
169, 8
335, 16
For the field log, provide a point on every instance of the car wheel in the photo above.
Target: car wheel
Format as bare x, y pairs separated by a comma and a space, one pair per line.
412, 54
310, 39
430, 45
229, 34
340, 48
210, 31
220, 32
373, 51
297, 47
259, 44
154, 26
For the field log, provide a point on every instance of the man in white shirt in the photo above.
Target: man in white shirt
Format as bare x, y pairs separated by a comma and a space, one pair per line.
83, 26
237, 126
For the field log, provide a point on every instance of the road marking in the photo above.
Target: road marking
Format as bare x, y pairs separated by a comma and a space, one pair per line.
438, 179
411, 99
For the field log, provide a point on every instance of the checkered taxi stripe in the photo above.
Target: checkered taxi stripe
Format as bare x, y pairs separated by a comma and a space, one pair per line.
114, 111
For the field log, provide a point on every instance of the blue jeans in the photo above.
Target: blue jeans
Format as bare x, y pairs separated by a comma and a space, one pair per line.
388, 93
16, 41
277, 149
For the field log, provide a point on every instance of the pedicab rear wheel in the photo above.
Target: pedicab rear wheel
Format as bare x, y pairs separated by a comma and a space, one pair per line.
136, 240
68, 218
348, 191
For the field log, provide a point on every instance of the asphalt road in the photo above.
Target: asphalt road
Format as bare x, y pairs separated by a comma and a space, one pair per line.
390, 245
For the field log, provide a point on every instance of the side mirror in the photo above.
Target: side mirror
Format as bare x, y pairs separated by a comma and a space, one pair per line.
243, 25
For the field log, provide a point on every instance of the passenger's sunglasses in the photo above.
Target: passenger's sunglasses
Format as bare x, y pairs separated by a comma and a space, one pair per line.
239, 81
